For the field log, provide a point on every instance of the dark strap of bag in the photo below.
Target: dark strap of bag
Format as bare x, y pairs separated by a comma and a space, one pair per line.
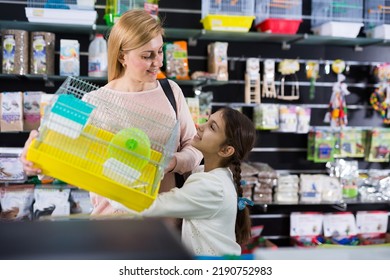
169, 94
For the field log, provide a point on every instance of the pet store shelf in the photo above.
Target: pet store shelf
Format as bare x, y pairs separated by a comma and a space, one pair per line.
201, 34
285, 208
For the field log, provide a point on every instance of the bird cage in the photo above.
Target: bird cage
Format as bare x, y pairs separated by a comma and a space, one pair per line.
278, 16
80, 12
105, 143
228, 15
341, 18
377, 18
115, 8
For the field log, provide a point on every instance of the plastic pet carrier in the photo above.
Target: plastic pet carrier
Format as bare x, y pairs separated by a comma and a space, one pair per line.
104, 143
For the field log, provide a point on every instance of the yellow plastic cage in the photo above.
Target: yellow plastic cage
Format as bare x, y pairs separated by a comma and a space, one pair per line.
228, 15
96, 140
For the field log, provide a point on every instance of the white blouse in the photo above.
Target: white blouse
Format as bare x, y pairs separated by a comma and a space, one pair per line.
207, 202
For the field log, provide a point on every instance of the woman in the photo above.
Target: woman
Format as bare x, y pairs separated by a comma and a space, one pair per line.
135, 56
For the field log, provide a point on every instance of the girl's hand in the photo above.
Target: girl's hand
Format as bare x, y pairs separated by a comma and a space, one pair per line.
28, 165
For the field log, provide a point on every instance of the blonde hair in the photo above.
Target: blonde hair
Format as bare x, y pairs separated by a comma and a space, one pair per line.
134, 29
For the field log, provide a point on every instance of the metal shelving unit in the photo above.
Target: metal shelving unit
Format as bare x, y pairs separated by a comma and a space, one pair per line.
193, 35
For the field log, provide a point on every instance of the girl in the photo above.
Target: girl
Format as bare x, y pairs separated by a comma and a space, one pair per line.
215, 219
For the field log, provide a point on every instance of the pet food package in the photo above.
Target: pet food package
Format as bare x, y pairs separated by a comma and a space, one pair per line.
303, 118
266, 116
42, 47
80, 202
31, 110
11, 111
11, 170
205, 106
218, 60
377, 145
16, 202
46, 99
287, 118
193, 105
176, 60
15, 51
69, 58
51, 202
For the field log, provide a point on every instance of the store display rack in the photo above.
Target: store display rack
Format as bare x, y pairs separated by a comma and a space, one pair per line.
193, 35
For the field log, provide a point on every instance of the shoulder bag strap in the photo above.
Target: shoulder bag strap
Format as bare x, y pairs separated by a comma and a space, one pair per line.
169, 93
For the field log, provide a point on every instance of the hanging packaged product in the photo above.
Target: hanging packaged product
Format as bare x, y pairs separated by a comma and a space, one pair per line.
15, 51
176, 60
269, 88
321, 143
288, 69
69, 57
252, 81
337, 111
42, 47
97, 57
380, 98
312, 71
378, 145
351, 142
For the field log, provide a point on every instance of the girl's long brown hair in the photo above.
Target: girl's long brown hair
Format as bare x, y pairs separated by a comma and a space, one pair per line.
240, 134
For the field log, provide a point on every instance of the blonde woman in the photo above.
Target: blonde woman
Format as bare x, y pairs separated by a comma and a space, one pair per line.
135, 56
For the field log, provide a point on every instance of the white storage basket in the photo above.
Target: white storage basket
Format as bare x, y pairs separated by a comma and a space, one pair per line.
79, 12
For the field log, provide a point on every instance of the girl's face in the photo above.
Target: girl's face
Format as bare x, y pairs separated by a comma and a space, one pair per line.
143, 64
211, 135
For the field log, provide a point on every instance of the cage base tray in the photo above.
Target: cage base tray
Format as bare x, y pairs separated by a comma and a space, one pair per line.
380, 32
61, 169
338, 29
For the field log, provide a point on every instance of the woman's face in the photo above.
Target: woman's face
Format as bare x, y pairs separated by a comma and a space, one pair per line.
211, 135
143, 64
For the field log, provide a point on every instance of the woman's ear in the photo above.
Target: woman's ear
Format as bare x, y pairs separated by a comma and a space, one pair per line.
121, 57
226, 151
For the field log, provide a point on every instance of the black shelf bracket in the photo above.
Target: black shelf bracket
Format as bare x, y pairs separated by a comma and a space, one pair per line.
286, 45
193, 40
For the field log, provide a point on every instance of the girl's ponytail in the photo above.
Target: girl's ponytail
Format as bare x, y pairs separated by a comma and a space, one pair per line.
240, 134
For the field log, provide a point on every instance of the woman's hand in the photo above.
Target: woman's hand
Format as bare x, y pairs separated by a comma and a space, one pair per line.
28, 165
171, 165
